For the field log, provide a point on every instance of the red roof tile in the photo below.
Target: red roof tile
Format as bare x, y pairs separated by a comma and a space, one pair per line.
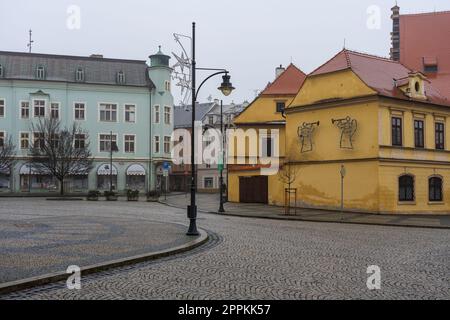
378, 73
288, 83
424, 38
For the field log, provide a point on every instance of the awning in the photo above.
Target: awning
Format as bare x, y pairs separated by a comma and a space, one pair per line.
136, 170
105, 170
33, 169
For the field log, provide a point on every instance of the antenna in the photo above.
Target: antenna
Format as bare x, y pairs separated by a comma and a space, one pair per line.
345, 42
30, 43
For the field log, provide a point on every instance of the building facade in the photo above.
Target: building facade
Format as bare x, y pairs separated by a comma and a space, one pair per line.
380, 139
129, 98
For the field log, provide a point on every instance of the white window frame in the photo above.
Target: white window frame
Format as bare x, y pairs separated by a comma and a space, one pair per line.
79, 75
75, 138
4, 108
125, 142
164, 144
167, 86
20, 139
45, 108
157, 107
33, 137
170, 115
3, 133
125, 112
75, 109
121, 79
40, 69
111, 104
59, 109
107, 134
157, 151
21, 102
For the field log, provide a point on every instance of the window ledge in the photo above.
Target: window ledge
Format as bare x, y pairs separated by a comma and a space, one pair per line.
436, 203
407, 203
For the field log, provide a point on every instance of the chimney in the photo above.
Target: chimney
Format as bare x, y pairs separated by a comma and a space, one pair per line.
97, 56
279, 71
395, 35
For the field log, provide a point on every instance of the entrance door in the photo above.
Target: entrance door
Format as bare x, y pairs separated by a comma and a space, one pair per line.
254, 189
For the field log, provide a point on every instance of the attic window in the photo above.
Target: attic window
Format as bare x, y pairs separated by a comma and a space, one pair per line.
79, 75
430, 64
431, 69
280, 106
120, 77
417, 86
1, 71
40, 73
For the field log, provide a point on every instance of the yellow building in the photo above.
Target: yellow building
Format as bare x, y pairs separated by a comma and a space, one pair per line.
381, 122
265, 114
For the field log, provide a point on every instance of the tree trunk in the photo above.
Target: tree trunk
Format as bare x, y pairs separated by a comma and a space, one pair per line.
61, 187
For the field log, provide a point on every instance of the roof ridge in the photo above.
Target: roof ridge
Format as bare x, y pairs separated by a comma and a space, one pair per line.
425, 13
298, 69
372, 56
326, 62
61, 56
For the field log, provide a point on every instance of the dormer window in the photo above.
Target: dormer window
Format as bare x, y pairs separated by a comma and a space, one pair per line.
79, 75
430, 65
2, 71
120, 77
40, 73
413, 86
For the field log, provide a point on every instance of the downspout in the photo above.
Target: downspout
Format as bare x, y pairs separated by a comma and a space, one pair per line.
150, 163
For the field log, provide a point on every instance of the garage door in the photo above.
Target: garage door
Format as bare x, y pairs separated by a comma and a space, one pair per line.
254, 189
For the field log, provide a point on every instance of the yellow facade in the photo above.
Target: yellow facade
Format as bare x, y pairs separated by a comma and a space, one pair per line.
373, 166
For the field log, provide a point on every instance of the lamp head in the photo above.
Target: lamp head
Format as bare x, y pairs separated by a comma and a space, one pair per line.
226, 87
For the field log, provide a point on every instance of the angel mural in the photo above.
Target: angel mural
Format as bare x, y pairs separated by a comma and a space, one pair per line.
305, 133
348, 127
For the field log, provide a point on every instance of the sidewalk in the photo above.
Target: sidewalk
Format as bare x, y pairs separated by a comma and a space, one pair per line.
209, 203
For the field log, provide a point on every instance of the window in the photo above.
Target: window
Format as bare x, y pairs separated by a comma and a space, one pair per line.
406, 188
40, 73
431, 68
167, 115
281, 105
120, 77
157, 144
2, 139
24, 140
80, 141
54, 111
54, 140
25, 110
208, 183
435, 189
130, 141
80, 111
39, 108
166, 144
79, 75
397, 132
38, 140
2, 108
267, 147
156, 114
440, 135
105, 142
2, 71
108, 112
419, 138
167, 86
211, 120
130, 113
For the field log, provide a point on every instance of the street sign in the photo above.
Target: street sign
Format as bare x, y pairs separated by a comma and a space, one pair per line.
165, 173
166, 165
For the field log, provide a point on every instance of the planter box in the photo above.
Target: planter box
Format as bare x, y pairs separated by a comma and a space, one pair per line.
112, 198
133, 199
92, 198
152, 199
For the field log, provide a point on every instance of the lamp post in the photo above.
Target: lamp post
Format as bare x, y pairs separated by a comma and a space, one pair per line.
112, 148
222, 165
226, 88
343, 174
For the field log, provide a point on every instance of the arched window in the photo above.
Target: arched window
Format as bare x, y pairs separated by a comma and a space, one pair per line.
435, 189
40, 73
2, 71
120, 77
406, 188
79, 75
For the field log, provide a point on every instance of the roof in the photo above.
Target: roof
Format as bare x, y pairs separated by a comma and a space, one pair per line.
424, 39
288, 83
97, 70
183, 114
378, 73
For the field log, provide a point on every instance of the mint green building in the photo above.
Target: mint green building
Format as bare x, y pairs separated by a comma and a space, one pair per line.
130, 98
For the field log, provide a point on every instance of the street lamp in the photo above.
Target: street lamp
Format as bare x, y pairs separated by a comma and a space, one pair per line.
226, 89
112, 148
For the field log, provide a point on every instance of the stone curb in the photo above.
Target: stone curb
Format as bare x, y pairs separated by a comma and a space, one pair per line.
313, 220
10, 287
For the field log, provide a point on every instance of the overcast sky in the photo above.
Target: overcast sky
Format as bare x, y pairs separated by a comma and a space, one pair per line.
248, 37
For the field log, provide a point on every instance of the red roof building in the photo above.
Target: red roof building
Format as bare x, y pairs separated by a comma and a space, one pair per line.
383, 75
422, 43
287, 83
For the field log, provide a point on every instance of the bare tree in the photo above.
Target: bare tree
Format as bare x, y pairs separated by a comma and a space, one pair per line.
288, 174
61, 152
7, 155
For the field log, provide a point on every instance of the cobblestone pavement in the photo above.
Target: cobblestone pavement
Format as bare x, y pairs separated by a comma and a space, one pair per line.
268, 259
37, 238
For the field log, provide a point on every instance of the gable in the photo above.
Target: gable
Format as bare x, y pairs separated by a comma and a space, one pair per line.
263, 110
